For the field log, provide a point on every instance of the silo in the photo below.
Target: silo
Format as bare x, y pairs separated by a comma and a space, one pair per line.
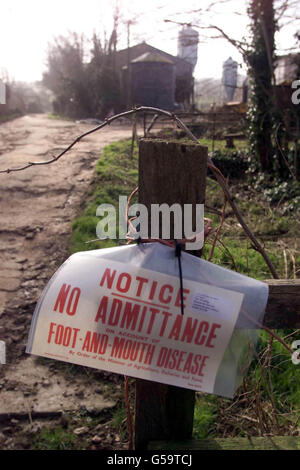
229, 77
153, 81
188, 39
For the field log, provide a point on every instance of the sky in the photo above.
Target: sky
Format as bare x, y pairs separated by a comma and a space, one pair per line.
28, 26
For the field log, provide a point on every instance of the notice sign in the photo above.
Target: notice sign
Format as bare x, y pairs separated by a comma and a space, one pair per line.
115, 317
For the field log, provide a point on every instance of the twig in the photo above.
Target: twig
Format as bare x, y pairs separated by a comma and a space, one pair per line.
133, 137
248, 418
229, 254
272, 333
291, 334
154, 119
218, 231
29, 413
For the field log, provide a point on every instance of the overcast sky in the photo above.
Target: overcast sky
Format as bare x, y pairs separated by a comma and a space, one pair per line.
27, 26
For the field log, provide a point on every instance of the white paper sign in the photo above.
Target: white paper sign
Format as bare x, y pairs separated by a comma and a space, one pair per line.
108, 315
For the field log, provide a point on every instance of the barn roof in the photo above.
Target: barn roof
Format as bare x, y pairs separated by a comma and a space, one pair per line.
152, 57
182, 67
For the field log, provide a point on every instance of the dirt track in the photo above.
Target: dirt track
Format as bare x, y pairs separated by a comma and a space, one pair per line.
36, 208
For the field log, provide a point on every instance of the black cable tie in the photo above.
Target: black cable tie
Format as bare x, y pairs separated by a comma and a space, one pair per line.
178, 250
138, 227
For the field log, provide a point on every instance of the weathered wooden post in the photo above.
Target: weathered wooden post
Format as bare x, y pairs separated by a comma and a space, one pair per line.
169, 172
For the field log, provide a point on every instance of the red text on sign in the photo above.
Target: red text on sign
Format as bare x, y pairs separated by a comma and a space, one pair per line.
64, 335
123, 282
68, 297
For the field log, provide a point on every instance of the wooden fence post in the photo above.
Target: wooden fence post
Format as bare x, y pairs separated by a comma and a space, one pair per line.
169, 172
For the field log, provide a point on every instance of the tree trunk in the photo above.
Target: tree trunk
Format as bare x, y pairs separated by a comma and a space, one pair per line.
261, 60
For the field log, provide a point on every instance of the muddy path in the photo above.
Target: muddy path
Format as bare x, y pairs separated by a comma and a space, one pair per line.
36, 209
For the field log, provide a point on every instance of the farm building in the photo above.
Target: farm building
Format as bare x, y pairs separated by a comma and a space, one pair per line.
286, 71
235, 88
151, 77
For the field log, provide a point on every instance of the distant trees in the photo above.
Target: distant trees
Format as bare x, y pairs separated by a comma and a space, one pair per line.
23, 98
84, 83
103, 81
66, 76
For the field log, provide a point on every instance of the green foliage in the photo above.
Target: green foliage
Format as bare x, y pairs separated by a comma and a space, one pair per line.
284, 374
119, 421
277, 188
56, 438
232, 164
205, 414
285, 191
234, 256
220, 145
116, 174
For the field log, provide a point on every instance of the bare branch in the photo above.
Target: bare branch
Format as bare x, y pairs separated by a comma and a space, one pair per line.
236, 43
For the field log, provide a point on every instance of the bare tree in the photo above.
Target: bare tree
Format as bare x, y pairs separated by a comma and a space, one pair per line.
83, 88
